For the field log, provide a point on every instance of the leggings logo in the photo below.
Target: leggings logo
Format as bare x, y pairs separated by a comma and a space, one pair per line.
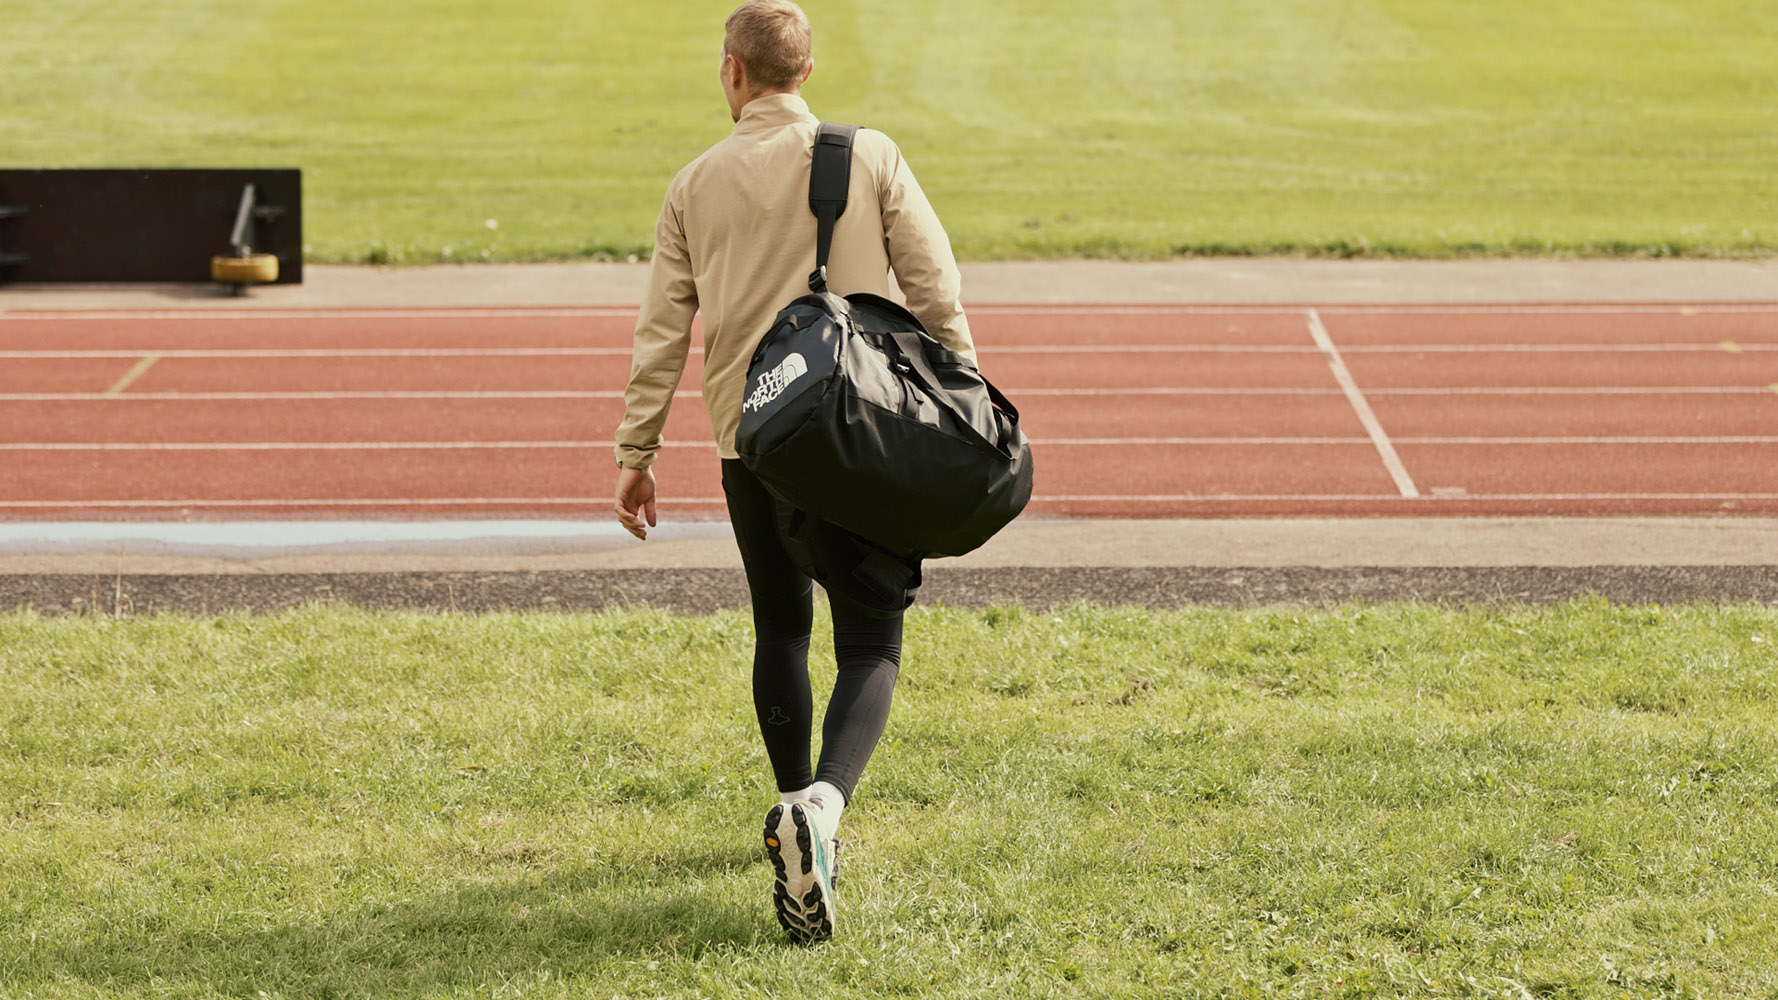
773, 383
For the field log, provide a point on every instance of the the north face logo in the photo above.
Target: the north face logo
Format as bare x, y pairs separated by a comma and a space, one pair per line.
773, 383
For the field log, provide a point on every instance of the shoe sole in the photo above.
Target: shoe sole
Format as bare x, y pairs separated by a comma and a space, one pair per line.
801, 897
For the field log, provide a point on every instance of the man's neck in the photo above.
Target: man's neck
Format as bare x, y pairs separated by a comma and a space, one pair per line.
769, 93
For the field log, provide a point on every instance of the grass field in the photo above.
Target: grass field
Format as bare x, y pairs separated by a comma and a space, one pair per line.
1384, 801
467, 130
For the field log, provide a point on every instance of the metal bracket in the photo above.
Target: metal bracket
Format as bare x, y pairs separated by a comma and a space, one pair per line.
242, 237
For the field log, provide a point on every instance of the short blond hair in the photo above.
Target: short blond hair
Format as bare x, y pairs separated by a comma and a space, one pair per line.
771, 39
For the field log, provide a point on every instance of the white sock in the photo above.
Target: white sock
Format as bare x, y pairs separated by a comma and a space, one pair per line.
800, 795
829, 802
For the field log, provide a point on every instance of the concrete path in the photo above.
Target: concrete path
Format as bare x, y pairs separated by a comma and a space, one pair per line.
694, 567
251, 548
1220, 280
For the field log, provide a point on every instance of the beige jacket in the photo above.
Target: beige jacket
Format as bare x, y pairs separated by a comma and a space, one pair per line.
736, 239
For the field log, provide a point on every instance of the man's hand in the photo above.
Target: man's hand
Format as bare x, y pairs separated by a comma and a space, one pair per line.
635, 500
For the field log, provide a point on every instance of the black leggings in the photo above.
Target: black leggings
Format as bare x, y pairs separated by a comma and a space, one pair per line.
866, 644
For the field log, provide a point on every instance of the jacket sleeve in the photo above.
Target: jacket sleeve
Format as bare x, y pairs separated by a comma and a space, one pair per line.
920, 253
663, 338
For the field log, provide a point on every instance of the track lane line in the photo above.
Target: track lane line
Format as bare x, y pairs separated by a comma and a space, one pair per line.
1012, 392
33, 397
136, 371
573, 352
472, 394
467, 312
330, 352
1385, 450
1096, 442
546, 445
1574, 390
1557, 439
1549, 348
991, 309
601, 502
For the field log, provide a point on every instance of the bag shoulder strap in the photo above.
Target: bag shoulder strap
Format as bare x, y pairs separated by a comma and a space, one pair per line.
830, 177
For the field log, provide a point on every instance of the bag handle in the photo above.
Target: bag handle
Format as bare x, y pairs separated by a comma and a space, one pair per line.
830, 178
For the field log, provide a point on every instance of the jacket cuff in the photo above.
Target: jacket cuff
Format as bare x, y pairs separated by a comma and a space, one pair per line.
634, 458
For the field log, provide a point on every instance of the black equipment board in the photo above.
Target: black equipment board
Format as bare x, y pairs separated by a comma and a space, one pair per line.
142, 224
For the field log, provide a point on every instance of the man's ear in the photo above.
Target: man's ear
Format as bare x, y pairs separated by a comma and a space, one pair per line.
807, 73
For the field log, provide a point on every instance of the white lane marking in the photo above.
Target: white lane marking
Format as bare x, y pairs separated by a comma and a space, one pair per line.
1554, 309
1545, 348
520, 445
1600, 440
136, 371
38, 397
288, 534
1280, 310
1452, 498
1610, 496
546, 352
1563, 439
622, 312
322, 445
615, 352
1089, 392
601, 502
1098, 442
335, 352
538, 312
32, 397
1573, 390
1085, 393
1285, 310
1385, 450
1286, 497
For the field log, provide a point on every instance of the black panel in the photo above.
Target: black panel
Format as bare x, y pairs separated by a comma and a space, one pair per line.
140, 225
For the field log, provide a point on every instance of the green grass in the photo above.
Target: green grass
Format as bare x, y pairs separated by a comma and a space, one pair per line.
1040, 128
1579, 801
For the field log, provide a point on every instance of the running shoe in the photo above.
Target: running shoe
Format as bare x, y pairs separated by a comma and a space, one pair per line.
802, 867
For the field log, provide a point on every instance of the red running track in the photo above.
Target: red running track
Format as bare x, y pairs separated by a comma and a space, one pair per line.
1135, 411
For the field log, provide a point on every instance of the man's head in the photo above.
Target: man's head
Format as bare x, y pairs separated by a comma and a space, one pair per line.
764, 51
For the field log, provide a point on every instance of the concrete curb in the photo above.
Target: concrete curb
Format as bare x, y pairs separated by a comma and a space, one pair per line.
1036, 564
259, 548
1224, 281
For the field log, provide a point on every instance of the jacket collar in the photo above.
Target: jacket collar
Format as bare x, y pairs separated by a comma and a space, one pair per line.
772, 111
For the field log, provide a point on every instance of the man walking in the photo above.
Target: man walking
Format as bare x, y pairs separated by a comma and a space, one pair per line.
736, 241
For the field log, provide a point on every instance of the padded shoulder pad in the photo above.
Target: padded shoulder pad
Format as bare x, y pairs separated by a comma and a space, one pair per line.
830, 178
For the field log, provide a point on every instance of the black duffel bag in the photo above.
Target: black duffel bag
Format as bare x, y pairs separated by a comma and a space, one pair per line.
855, 415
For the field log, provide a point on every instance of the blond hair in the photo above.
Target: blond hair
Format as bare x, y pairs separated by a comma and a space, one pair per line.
772, 41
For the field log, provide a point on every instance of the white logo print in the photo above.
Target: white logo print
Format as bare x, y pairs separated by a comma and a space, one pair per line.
773, 383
